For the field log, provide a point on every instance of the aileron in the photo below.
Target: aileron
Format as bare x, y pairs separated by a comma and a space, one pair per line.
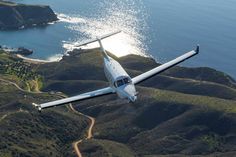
99, 92
165, 66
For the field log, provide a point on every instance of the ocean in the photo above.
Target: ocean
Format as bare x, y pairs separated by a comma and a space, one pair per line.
162, 29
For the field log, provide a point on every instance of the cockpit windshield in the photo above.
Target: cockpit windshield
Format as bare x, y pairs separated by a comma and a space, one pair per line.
119, 83
123, 81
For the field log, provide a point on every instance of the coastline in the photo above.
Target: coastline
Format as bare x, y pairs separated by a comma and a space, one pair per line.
21, 16
35, 61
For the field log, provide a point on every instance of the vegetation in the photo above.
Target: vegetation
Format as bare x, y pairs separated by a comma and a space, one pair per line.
212, 141
23, 71
105, 148
20, 71
26, 132
175, 115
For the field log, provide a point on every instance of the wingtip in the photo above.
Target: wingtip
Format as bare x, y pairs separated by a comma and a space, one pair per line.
37, 106
197, 48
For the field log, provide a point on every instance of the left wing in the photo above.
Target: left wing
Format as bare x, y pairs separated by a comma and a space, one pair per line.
96, 93
165, 66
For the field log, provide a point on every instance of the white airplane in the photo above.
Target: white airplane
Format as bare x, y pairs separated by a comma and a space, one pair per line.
120, 82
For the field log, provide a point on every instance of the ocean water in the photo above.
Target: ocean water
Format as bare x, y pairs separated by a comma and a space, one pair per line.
163, 29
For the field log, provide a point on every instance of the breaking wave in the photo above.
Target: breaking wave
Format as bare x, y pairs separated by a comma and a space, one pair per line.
54, 58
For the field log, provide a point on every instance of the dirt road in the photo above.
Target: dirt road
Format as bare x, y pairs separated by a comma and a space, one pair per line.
75, 144
89, 132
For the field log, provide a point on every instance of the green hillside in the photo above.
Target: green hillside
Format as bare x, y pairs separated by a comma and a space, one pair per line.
184, 111
25, 132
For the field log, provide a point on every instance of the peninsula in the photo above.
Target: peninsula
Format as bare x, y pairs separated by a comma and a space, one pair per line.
19, 16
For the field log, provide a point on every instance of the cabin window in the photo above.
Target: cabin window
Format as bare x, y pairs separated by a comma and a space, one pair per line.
118, 83
127, 80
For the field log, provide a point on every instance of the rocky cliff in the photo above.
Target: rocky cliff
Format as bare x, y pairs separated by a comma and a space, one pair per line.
15, 16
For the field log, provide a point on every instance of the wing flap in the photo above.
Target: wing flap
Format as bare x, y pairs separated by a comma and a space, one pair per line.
165, 66
96, 93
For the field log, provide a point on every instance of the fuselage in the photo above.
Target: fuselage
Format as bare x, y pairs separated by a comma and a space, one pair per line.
119, 80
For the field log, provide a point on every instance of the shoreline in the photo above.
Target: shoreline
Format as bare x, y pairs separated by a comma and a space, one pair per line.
35, 61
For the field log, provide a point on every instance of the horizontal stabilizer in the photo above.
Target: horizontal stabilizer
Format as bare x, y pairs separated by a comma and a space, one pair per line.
99, 38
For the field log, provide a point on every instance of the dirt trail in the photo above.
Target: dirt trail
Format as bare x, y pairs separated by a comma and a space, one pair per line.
18, 87
9, 82
89, 132
11, 113
75, 144
76, 148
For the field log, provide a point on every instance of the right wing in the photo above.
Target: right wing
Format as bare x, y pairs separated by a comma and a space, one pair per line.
165, 66
96, 93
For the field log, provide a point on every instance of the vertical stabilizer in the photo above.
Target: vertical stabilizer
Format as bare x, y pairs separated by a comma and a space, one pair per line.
100, 43
104, 53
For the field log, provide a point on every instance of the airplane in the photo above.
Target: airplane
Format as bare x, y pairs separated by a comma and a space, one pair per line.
119, 81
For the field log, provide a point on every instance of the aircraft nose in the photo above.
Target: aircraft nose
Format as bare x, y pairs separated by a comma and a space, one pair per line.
133, 98
131, 93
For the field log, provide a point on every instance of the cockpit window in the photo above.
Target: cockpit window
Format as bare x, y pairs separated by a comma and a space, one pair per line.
119, 83
127, 80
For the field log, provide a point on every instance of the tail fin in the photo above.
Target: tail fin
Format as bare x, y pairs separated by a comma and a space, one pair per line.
102, 49
100, 42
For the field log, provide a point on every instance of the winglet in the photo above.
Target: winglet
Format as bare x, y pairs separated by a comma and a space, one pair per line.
37, 106
197, 49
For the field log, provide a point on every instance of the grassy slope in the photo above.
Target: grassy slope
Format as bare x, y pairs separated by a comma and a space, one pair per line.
164, 122
26, 132
125, 123
105, 148
160, 122
22, 73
